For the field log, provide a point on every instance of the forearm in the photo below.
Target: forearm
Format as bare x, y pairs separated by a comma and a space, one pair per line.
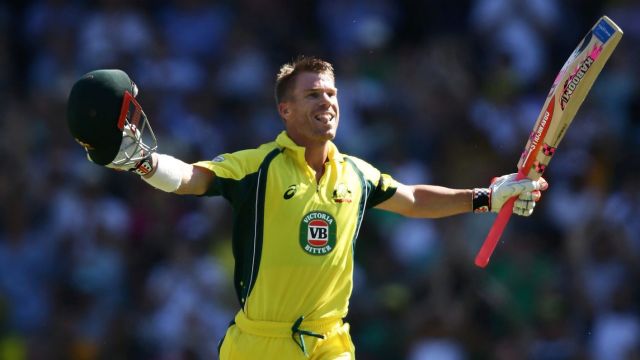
173, 175
437, 201
429, 201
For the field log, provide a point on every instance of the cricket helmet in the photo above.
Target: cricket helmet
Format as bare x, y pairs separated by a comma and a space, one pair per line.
101, 106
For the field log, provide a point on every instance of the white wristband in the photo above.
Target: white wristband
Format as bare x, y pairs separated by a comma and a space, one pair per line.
169, 173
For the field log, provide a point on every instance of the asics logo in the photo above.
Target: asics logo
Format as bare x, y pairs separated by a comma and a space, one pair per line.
291, 190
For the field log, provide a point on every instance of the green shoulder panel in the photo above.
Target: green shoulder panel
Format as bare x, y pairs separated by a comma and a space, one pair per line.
249, 230
241, 178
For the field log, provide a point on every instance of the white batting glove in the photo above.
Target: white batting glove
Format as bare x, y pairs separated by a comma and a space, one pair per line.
132, 157
528, 191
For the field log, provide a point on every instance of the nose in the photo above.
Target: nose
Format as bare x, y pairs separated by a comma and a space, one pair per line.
326, 99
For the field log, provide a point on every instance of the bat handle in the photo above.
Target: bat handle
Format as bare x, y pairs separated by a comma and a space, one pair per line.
490, 242
483, 256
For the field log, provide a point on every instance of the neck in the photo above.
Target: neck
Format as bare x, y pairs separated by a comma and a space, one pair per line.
315, 152
316, 155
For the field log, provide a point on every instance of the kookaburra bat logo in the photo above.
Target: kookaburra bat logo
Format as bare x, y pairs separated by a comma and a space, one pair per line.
574, 79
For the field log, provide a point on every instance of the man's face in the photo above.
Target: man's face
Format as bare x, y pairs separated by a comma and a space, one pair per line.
311, 113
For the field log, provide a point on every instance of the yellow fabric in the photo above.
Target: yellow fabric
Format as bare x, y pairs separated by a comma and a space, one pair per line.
306, 262
283, 329
241, 345
239, 164
315, 286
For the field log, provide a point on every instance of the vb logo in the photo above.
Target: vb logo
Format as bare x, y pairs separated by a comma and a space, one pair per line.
318, 233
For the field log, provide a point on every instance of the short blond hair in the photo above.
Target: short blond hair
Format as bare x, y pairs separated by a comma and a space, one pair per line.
288, 72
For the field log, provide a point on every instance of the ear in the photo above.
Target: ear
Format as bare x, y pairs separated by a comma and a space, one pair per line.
283, 109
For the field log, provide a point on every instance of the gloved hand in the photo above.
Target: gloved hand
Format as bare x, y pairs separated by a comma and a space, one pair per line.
131, 156
505, 187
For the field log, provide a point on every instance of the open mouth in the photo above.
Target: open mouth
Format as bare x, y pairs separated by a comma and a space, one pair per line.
325, 117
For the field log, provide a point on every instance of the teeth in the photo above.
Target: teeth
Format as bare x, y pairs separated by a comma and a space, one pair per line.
322, 117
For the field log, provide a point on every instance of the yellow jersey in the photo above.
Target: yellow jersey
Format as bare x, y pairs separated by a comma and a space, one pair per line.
294, 237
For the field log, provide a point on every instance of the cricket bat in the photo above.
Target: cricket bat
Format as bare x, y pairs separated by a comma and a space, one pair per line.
567, 93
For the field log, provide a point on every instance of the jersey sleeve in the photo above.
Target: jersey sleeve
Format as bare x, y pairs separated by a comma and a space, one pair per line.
232, 170
380, 186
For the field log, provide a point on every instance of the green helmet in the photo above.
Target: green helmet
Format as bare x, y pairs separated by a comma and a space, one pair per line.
101, 106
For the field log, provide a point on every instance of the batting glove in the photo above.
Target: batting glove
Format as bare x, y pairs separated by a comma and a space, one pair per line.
505, 187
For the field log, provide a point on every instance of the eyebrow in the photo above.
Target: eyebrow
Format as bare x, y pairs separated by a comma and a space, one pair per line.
315, 89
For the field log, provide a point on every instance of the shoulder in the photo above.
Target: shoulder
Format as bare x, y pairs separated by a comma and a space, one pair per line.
383, 182
240, 163
252, 158
368, 170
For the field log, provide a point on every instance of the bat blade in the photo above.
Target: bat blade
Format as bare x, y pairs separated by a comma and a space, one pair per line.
569, 89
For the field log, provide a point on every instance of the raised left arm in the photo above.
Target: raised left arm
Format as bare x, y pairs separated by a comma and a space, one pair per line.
430, 201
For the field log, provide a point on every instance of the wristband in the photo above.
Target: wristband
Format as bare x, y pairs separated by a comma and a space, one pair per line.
169, 173
481, 200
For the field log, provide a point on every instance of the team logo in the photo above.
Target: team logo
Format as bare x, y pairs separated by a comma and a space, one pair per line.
218, 158
342, 194
318, 233
291, 190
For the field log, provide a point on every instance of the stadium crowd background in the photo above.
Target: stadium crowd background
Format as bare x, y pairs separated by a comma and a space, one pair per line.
97, 265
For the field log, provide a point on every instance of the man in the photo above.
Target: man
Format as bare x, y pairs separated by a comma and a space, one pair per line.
297, 204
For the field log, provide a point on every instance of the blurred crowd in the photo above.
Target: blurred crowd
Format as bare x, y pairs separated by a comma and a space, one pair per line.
97, 265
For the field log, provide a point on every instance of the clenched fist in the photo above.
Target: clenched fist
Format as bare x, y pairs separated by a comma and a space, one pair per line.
528, 192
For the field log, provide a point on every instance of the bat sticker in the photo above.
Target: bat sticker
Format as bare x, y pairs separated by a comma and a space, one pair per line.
603, 31
538, 133
540, 168
548, 150
574, 79
583, 44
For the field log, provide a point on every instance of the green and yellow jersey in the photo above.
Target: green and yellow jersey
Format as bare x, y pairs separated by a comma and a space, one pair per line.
294, 237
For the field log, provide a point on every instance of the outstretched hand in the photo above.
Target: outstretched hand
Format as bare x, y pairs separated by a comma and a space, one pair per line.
528, 192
